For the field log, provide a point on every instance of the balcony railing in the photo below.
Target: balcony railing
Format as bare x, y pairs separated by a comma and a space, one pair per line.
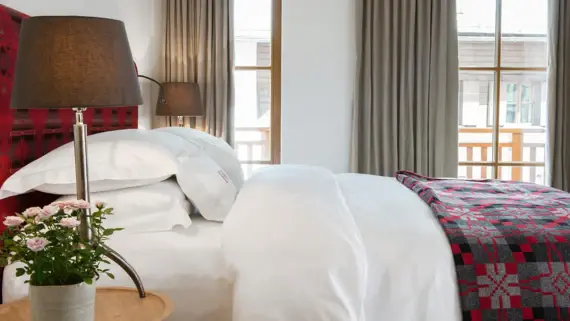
517, 146
521, 148
253, 146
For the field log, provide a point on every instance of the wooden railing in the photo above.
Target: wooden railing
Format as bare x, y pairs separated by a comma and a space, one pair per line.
257, 151
515, 143
247, 148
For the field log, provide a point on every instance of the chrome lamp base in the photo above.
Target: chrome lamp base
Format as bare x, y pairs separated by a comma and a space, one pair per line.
82, 180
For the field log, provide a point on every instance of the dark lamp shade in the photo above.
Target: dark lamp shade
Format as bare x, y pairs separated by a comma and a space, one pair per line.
182, 99
66, 62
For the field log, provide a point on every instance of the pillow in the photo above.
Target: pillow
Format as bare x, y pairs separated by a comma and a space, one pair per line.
173, 143
152, 208
207, 186
112, 165
214, 147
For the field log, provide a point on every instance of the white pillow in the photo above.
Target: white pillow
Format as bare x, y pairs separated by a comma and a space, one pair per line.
214, 147
173, 143
112, 165
207, 186
152, 208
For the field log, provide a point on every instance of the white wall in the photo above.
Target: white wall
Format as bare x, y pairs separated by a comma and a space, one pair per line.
143, 23
318, 68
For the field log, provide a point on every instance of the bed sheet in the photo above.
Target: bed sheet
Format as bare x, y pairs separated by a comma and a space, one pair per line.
185, 264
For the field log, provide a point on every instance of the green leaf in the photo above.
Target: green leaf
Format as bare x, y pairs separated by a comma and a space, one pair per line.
20, 272
88, 281
110, 275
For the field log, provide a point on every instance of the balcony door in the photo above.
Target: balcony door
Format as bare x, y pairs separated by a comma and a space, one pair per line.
502, 89
257, 32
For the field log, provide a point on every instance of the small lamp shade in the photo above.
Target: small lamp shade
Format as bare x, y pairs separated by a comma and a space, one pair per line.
66, 62
182, 99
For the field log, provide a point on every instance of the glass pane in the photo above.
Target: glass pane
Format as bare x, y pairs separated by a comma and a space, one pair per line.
475, 172
476, 115
252, 114
523, 118
252, 32
531, 174
524, 25
476, 30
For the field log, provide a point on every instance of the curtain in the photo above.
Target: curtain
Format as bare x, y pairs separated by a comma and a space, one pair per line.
406, 97
559, 94
199, 48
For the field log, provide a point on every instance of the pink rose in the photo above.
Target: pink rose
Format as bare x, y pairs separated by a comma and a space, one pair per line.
13, 221
32, 212
79, 204
99, 204
37, 244
48, 211
70, 222
60, 204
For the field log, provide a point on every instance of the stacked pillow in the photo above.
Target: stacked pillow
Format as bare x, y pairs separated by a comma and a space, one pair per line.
128, 169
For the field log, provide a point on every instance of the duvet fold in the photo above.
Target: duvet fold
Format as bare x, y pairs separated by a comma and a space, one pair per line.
293, 249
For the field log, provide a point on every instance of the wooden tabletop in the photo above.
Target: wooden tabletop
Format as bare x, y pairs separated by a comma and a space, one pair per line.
111, 304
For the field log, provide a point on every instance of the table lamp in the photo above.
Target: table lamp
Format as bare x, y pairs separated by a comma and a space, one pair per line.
180, 99
78, 63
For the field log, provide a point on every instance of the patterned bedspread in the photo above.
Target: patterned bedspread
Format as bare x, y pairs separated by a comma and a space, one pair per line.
510, 243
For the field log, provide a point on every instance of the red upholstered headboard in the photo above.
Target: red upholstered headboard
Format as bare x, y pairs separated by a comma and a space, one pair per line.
25, 135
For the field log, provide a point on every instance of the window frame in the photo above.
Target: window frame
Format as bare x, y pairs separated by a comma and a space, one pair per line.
274, 69
498, 69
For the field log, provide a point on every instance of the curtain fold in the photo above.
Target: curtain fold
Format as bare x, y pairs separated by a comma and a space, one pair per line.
559, 94
406, 96
199, 48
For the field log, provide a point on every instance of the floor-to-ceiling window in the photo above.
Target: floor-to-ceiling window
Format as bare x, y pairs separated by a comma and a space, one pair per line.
502, 89
257, 32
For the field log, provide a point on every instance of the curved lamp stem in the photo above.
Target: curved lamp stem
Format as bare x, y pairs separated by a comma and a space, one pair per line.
82, 183
161, 98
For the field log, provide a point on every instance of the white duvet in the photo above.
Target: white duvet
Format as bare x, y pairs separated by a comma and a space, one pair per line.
301, 244
304, 244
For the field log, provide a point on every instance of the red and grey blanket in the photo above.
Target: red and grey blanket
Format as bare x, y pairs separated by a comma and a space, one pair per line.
510, 243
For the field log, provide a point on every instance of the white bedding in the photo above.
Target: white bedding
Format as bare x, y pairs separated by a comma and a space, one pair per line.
300, 244
304, 244
185, 264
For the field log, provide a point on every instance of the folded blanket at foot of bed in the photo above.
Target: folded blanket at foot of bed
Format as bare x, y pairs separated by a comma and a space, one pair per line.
510, 242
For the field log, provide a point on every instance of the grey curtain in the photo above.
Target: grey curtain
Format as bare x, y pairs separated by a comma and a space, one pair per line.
199, 48
406, 96
559, 94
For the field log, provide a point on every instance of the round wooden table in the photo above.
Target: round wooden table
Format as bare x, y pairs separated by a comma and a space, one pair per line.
111, 304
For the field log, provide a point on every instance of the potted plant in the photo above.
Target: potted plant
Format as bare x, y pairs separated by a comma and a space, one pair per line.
61, 266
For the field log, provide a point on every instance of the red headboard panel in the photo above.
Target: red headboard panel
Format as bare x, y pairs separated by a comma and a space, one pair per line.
25, 135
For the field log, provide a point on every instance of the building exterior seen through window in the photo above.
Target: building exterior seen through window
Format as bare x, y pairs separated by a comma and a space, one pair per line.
502, 89
253, 74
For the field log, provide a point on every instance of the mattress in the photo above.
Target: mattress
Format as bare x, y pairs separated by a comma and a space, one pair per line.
185, 264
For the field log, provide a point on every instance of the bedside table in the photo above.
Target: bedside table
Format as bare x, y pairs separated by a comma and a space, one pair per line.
117, 304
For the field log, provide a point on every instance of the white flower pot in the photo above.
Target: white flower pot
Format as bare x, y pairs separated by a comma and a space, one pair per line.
62, 303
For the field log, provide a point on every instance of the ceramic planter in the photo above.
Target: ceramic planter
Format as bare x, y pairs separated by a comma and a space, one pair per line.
62, 303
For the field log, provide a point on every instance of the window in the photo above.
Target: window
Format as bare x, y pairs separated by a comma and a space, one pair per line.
257, 33
502, 100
